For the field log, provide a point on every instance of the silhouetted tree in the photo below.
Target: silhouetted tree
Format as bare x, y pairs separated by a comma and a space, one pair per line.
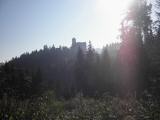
80, 72
37, 81
105, 79
132, 53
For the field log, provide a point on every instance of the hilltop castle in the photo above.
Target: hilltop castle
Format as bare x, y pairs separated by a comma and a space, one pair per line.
78, 45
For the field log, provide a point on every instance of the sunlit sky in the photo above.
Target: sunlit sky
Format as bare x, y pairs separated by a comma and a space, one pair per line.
26, 25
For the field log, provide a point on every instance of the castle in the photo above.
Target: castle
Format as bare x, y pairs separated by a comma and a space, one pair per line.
112, 48
78, 45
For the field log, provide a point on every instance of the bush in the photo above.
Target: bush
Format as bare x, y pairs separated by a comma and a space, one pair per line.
47, 107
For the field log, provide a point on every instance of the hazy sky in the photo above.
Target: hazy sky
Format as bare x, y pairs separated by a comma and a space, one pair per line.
26, 25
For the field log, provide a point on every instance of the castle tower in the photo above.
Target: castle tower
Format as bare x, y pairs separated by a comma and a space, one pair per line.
73, 42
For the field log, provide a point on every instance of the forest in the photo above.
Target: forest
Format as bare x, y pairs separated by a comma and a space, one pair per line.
120, 83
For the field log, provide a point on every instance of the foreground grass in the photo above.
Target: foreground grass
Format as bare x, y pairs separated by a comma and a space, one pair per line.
107, 107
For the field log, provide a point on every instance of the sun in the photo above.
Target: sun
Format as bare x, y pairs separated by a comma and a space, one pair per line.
109, 6
112, 9
110, 14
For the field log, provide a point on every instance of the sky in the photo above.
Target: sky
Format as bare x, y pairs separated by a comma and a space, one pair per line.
26, 25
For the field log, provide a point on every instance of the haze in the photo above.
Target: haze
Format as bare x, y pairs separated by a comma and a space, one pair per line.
28, 25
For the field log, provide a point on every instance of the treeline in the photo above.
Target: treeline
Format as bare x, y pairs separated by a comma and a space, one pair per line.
59, 70
134, 68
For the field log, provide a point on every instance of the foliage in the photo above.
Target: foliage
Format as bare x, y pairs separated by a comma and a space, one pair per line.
44, 107
47, 107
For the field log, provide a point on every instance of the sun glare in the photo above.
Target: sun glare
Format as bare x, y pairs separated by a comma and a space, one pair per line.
110, 14
112, 6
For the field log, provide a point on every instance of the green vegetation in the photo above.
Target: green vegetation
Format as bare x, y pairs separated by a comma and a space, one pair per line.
47, 107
